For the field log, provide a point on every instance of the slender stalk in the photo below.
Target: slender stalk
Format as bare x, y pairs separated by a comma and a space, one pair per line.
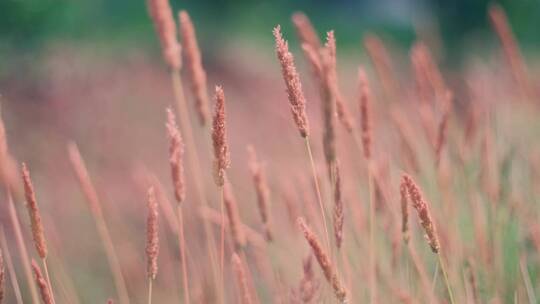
446, 281
435, 276
112, 258
372, 251
185, 126
222, 244
424, 280
150, 281
92, 198
11, 270
182, 242
47, 277
527, 281
22, 249
318, 190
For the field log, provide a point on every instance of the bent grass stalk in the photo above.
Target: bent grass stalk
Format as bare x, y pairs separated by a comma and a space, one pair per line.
91, 196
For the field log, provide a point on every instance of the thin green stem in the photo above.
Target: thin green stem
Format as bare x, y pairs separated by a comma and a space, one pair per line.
445, 275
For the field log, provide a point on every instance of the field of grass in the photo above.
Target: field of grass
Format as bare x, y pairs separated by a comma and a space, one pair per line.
271, 174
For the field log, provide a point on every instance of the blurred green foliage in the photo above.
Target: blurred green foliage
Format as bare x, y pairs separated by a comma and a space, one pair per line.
28, 24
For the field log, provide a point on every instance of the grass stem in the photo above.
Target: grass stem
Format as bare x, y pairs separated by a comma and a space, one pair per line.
445, 275
182, 243
318, 191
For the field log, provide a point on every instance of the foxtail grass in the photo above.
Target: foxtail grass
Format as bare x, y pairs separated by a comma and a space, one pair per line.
297, 103
37, 227
221, 164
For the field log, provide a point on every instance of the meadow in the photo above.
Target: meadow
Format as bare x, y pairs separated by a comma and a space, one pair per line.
284, 174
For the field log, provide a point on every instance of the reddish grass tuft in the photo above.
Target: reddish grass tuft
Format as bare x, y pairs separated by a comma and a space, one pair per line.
194, 65
324, 261
404, 210
292, 82
219, 138
338, 208
176, 154
305, 30
162, 16
365, 100
261, 187
42, 284
235, 225
241, 279
152, 234
422, 209
33, 212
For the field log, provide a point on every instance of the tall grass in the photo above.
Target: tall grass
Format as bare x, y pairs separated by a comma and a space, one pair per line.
461, 226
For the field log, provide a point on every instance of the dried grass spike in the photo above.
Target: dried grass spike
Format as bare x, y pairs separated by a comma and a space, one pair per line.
152, 234
308, 289
422, 209
176, 155
84, 178
328, 107
2, 278
443, 126
510, 47
404, 210
324, 261
261, 187
383, 66
219, 138
42, 284
33, 212
343, 113
241, 278
314, 61
365, 114
194, 65
338, 208
292, 82
305, 30
231, 208
162, 16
